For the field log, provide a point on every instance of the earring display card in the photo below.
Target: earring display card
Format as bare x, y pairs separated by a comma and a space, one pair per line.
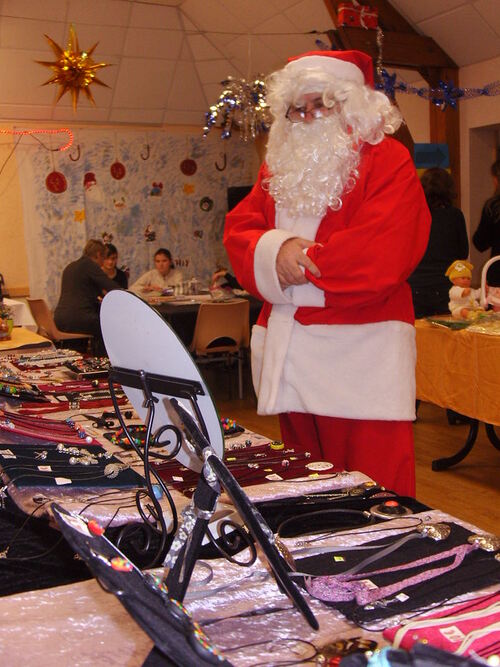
45, 465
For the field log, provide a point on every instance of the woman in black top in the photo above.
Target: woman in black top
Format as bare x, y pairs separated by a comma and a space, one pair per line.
110, 269
83, 285
487, 235
447, 241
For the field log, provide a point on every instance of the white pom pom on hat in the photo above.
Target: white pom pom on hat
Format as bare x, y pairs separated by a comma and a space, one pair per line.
353, 66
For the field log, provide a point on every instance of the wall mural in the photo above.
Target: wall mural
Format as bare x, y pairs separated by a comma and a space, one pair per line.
139, 191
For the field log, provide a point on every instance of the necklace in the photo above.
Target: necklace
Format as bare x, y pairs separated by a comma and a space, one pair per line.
353, 586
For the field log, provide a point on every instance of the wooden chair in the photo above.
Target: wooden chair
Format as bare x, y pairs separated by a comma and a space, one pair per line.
47, 327
221, 333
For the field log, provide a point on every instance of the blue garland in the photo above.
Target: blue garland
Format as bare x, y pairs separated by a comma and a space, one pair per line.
243, 104
444, 96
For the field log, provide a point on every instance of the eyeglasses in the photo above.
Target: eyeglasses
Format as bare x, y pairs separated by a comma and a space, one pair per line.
299, 114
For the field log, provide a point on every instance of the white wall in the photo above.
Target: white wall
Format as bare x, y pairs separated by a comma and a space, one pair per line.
415, 111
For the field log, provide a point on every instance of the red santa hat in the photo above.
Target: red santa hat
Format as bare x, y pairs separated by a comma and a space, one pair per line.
353, 66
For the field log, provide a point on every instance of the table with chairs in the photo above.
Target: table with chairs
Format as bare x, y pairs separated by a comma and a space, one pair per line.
198, 321
181, 312
222, 333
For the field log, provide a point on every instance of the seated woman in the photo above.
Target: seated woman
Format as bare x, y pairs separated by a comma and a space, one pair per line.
83, 284
154, 282
110, 269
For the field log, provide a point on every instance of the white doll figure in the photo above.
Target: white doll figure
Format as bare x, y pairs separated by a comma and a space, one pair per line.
464, 300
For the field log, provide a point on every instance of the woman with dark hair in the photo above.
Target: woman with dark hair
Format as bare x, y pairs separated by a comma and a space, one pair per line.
447, 242
109, 266
158, 279
487, 234
83, 285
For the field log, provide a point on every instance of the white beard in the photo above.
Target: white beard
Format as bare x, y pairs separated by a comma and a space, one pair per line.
312, 165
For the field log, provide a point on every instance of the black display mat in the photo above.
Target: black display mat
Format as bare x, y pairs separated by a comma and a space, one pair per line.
275, 512
24, 467
38, 556
478, 570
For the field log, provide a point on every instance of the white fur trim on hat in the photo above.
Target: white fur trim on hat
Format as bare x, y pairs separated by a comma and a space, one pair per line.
339, 69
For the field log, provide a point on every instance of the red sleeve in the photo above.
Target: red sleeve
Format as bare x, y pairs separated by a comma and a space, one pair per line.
384, 235
245, 224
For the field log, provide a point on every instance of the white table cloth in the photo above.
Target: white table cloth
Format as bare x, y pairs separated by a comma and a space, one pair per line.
21, 314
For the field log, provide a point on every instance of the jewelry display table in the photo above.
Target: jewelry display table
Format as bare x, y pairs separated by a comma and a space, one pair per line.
81, 625
328, 533
460, 369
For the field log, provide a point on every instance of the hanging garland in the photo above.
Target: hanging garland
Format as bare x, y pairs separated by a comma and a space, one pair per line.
241, 104
32, 133
444, 96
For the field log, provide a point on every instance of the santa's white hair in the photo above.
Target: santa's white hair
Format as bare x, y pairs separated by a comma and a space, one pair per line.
314, 164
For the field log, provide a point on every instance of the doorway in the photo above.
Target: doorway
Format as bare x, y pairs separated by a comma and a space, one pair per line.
484, 149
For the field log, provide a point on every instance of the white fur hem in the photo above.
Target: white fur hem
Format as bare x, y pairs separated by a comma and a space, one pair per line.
359, 371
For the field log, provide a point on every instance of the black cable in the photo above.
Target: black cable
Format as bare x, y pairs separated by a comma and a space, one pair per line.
10, 154
7, 558
262, 611
281, 663
385, 528
309, 528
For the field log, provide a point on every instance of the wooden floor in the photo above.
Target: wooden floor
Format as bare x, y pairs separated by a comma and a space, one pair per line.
469, 490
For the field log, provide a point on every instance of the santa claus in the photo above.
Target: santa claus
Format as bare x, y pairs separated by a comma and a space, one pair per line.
333, 227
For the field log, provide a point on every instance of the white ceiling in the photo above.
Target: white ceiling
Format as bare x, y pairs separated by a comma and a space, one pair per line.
168, 57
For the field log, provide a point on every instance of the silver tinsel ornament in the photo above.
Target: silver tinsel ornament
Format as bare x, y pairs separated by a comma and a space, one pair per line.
242, 105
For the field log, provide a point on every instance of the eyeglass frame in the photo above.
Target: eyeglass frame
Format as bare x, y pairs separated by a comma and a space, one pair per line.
318, 111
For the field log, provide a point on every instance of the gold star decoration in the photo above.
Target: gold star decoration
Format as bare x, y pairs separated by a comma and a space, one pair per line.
79, 215
74, 70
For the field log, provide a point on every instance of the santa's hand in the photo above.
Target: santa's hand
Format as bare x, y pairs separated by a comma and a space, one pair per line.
291, 262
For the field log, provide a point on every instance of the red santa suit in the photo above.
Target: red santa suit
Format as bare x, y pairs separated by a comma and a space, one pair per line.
340, 349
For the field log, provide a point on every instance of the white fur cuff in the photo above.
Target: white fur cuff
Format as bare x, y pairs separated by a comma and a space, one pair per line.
266, 277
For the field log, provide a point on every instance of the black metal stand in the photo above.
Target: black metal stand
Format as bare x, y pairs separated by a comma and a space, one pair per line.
167, 386
448, 462
204, 502
185, 547
218, 471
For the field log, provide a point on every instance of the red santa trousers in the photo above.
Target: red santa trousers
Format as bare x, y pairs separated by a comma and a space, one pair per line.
383, 450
